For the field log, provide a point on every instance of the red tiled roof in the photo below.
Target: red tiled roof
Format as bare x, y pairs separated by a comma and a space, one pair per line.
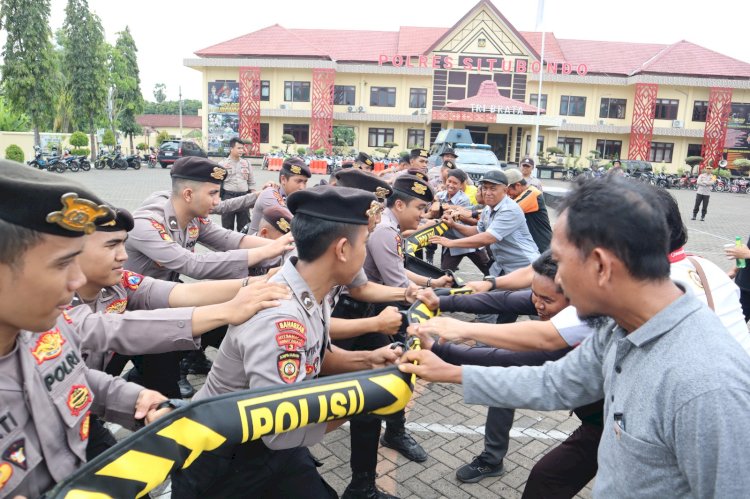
169, 121
274, 41
552, 50
415, 40
684, 57
350, 45
488, 95
620, 58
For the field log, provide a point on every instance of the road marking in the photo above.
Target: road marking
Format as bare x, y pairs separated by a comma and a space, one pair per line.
712, 235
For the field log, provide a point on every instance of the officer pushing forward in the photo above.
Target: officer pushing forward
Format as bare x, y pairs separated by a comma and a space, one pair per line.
289, 344
293, 177
47, 394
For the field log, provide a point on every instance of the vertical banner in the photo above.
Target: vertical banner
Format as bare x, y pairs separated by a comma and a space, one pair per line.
737, 143
223, 114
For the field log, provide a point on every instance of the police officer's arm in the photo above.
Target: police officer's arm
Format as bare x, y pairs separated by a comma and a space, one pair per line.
387, 322
372, 292
518, 279
118, 401
195, 294
339, 361
475, 236
383, 248
236, 204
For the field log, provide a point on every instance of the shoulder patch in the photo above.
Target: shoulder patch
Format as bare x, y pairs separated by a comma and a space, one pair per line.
117, 306
83, 432
79, 398
48, 346
204, 221
131, 280
399, 246
16, 453
288, 365
193, 231
6, 471
162, 231
291, 334
279, 197
66, 317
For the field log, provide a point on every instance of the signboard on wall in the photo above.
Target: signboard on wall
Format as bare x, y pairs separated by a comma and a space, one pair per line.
223, 113
737, 144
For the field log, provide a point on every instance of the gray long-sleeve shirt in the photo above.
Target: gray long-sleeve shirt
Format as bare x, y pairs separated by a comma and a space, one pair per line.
678, 384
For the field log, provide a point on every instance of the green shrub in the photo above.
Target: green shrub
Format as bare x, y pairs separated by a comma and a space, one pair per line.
14, 153
79, 139
141, 146
80, 151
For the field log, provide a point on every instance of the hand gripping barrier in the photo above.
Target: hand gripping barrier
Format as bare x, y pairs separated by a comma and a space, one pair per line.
419, 240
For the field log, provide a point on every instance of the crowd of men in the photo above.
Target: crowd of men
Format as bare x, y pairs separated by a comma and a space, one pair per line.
646, 344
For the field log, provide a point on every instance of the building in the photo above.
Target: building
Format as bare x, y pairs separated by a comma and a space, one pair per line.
630, 100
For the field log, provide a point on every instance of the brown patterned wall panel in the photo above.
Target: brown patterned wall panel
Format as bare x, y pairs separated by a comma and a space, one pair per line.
715, 133
321, 122
642, 128
250, 107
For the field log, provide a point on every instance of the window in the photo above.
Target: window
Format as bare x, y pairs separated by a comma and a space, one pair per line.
414, 138
612, 108
456, 93
533, 101
264, 133
457, 78
571, 105
265, 90
694, 149
418, 97
661, 151
297, 91
570, 145
539, 148
609, 149
343, 95
301, 133
377, 137
666, 109
700, 110
383, 96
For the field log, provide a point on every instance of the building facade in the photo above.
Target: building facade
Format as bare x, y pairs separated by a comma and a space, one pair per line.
659, 103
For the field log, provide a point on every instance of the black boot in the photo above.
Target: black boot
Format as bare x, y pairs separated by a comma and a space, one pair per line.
398, 439
363, 486
195, 363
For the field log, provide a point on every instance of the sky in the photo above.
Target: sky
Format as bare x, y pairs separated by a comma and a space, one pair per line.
168, 31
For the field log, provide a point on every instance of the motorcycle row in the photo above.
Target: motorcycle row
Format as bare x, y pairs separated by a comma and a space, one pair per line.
669, 180
73, 163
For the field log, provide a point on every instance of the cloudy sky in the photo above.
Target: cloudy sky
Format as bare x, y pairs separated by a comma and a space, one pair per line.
168, 31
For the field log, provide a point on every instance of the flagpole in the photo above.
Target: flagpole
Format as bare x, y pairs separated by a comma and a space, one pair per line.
539, 25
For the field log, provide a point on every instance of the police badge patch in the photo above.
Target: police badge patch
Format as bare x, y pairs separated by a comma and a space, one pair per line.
16, 454
6, 471
48, 346
193, 231
162, 231
79, 398
117, 306
288, 364
131, 280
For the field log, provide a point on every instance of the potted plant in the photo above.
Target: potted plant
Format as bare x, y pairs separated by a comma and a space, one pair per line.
693, 161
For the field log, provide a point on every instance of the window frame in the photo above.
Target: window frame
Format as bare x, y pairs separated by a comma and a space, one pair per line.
267, 133
533, 99
575, 142
347, 89
665, 148
376, 94
417, 141
566, 102
602, 146
295, 130
666, 109
292, 86
607, 113
377, 132
421, 95
265, 84
701, 109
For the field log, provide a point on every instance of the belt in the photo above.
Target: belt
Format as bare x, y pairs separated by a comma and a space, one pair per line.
353, 306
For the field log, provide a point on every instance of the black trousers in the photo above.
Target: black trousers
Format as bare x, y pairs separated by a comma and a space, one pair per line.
745, 302
253, 470
479, 258
567, 468
701, 199
100, 438
242, 216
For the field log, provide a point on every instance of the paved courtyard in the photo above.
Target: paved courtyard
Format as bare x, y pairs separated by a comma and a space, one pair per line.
451, 431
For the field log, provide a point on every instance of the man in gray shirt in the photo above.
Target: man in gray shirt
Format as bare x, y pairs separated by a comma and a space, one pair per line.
673, 413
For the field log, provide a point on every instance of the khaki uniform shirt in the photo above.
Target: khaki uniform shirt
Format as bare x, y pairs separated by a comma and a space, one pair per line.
271, 196
46, 396
239, 176
158, 247
120, 321
278, 346
384, 263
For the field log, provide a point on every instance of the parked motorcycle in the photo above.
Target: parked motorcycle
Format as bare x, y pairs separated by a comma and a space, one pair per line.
104, 159
133, 161
51, 164
71, 162
152, 158
84, 162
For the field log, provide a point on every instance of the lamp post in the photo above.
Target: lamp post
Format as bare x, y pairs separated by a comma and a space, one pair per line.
539, 25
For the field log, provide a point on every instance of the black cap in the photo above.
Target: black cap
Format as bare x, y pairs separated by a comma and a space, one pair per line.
414, 187
347, 164
494, 177
416, 172
121, 220
48, 203
527, 161
198, 169
365, 158
361, 180
336, 204
415, 153
279, 217
449, 150
449, 164
295, 166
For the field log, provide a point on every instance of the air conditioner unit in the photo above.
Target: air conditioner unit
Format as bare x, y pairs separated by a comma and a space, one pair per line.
350, 109
423, 111
282, 106
361, 109
601, 122
677, 124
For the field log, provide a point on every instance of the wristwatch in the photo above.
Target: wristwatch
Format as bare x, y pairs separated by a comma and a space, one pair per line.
491, 280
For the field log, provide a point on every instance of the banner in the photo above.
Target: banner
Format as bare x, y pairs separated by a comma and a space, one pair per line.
223, 114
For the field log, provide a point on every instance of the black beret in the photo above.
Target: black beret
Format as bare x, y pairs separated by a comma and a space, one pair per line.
121, 219
47, 203
448, 151
416, 172
198, 169
414, 187
365, 158
415, 153
279, 217
336, 204
347, 164
449, 164
295, 166
365, 181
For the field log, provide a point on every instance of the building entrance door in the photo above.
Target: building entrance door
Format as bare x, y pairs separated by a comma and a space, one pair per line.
499, 144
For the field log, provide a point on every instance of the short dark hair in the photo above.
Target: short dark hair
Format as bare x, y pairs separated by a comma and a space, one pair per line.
678, 234
15, 241
620, 216
459, 174
313, 236
398, 196
546, 266
234, 141
179, 184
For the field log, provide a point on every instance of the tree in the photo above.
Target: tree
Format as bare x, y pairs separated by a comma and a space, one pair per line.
693, 161
190, 107
126, 100
301, 150
287, 139
387, 148
343, 136
14, 153
28, 60
160, 92
11, 121
78, 139
108, 139
86, 62
161, 137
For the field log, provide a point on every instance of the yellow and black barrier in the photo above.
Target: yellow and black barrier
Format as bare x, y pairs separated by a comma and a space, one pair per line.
421, 238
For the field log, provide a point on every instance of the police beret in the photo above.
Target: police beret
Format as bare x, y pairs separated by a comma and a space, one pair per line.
448, 151
279, 217
347, 164
415, 153
414, 187
365, 158
365, 181
336, 204
121, 219
449, 164
295, 166
198, 169
47, 203
416, 172
513, 175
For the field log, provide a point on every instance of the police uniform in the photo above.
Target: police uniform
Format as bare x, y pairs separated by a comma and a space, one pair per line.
364, 161
238, 182
280, 218
46, 391
276, 196
283, 345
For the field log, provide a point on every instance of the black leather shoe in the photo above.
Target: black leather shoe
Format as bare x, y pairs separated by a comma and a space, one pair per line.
401, 441
195, 364
363, 486
186, 389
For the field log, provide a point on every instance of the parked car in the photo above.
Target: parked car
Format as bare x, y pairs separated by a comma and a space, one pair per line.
632, 165
445, 139
477, 159
172, 150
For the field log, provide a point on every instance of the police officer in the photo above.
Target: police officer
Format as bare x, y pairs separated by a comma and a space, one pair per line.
46, 392
293, 177
276, 222
286, 345
364, 162
417, 162
238, 182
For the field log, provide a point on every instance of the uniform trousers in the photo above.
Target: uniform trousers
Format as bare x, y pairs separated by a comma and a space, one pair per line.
701, 199
242, 216
479, 258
